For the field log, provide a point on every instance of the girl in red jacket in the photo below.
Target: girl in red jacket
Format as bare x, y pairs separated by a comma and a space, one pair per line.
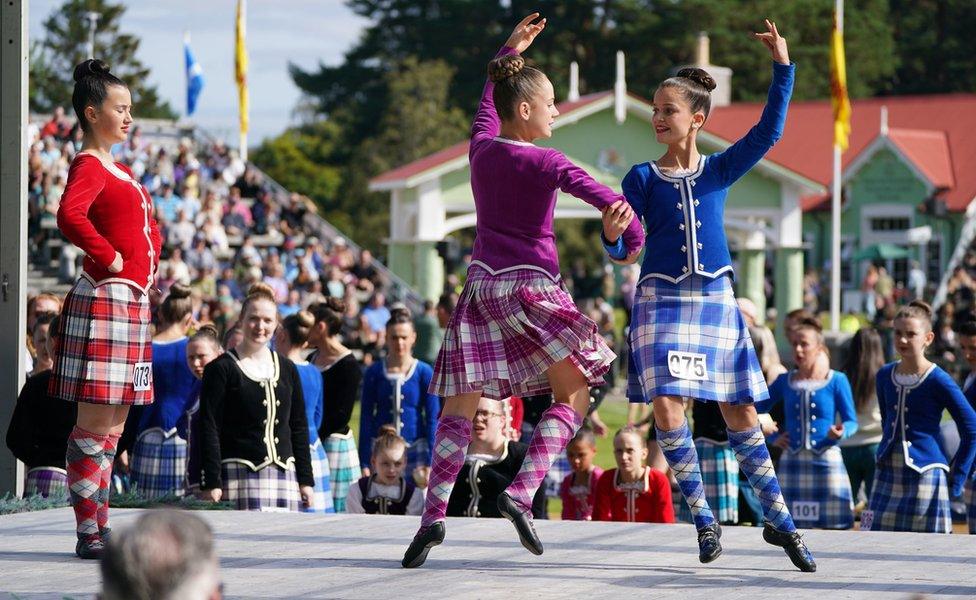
104, 354
632, 492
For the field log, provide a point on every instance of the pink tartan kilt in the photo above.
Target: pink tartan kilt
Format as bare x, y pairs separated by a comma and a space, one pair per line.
508, 329
104, 334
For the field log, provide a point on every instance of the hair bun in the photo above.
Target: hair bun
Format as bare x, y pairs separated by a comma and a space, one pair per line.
178, 291
503, 67
305, 319
699, 76
923, 306
91, 68
335, 304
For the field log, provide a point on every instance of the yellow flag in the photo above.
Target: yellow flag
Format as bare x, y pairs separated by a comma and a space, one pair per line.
240, 62
838, 89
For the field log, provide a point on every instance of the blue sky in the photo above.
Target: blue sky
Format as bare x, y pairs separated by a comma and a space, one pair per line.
304, 32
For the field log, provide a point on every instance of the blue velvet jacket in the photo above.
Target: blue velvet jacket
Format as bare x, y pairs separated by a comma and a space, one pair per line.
684, 216
810, 413
419, 409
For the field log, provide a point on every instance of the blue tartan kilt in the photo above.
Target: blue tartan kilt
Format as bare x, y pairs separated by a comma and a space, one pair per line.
47, 482
698, 316
811, 480
720, 474
269, 489
344, 467
971, 506
158, 465
903, 499
322, 501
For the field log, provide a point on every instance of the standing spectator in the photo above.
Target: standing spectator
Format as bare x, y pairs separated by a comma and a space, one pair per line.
864, 359
335, 286
430, 334
868, 287
376, 315
917, 281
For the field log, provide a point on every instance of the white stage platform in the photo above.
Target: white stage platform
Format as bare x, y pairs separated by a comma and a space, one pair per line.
348, 556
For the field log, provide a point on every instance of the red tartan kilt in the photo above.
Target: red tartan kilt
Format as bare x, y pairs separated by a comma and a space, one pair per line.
104, 333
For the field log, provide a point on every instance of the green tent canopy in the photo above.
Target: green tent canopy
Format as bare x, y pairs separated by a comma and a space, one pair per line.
882, 251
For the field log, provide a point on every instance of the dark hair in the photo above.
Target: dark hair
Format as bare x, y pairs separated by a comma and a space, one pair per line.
514, 82
965, 324
695, 86
329, 312
44, 318
52, 330
297, 326
208, 332
234, 328
447, 302
92, 80
917, 309
584, 436
177, 304
864, 359
399, 316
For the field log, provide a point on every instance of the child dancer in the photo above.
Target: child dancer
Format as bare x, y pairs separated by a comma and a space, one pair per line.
633, 492
291, 340
103, 347
911, 489
253, 431
578, 489
386, 491
688, 337
811, 470
40, 426
158, 464
395, 392
515, 330
203, 348
340, 386
865, 358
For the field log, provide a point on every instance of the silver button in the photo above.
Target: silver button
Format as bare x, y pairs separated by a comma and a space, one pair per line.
698, 224
684, 269
692, 183
676, 186
278, 403
681, 226
267, 458
684, 248
680, 206
812, 429
276, 440
149, 254
701, 266
265, 403
697, 202
813, 405
700, 246
265, 422
276, 421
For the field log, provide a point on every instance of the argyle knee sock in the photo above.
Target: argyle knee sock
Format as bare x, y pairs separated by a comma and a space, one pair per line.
754, 460
682, 456
450, 443
105, 489
85, 457
557, 426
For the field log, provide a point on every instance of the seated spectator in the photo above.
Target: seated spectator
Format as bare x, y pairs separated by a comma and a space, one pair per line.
364, 268
164, 555
167, 203
199, 257
387, 491
181, 232
58, 127
376, 315
293, 215
633, 492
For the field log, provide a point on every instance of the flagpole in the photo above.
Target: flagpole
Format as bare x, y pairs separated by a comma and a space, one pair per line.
835, 215
241, 73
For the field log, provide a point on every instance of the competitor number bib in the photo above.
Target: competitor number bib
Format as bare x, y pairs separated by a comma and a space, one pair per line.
687, 365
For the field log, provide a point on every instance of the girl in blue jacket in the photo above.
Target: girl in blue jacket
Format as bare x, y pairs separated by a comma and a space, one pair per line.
815, 397
914, 478
687, 336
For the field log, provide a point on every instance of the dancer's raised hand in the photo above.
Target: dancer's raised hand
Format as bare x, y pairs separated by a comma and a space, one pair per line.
525, 32
775, 42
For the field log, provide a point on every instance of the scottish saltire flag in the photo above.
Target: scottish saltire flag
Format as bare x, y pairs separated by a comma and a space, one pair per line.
194, 77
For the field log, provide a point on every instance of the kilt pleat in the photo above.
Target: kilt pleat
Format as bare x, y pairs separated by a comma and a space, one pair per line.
807, 477
46, 482
158, 466
508, 329
720, 475
270, 489
697, 316
344, 467
322, 501
104, 333
903, 499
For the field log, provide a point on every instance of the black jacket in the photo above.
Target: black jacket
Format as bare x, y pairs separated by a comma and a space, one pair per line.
243, 420
479, 484
340, 386
40, 426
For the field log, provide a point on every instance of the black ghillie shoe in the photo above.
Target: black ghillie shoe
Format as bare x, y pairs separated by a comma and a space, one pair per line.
794, 546
426, 538
105, 534
709, 546
523, 522
89, 547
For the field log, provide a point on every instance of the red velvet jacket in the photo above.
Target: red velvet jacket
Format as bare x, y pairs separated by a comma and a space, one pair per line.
104, 212
648, 500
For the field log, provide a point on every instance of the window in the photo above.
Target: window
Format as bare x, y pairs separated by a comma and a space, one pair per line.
890, 223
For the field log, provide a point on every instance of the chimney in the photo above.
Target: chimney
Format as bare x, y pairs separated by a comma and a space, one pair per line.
722, 94
573, 82
620, 90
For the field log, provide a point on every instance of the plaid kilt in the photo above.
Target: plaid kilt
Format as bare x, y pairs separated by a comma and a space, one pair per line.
905, 500
508, 329
698, 316
344, 467
720, 474
46, 482
817, 478
158, 466
270, 489
104, 333
322, 497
